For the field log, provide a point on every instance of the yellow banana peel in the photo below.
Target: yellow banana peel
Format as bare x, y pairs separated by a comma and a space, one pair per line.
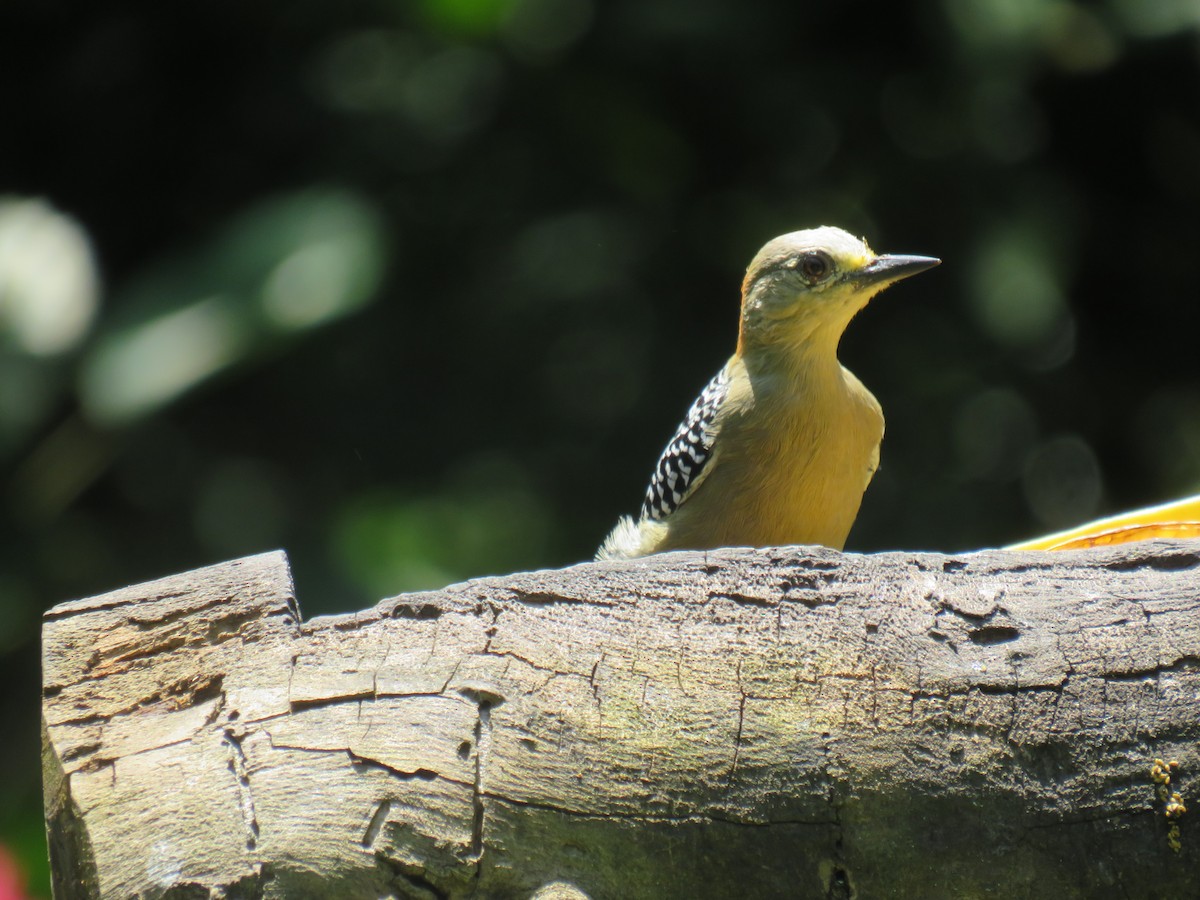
1177, 519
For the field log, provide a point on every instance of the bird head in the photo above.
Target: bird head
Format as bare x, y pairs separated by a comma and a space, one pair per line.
803, 288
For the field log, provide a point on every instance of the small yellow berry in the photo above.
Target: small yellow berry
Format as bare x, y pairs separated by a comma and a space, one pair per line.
1175, 807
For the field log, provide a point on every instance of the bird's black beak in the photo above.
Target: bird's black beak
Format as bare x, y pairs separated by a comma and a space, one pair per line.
884, 270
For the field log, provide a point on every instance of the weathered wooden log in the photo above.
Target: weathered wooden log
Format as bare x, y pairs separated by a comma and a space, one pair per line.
743, 723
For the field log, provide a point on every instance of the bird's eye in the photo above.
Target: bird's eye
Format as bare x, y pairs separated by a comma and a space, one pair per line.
815, 265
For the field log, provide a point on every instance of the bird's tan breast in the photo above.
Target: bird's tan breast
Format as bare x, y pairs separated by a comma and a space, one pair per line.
792, 465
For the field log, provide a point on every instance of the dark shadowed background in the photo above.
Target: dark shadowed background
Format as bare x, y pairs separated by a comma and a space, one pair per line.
418, 289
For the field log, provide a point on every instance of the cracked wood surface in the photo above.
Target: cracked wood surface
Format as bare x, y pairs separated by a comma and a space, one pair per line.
759, 723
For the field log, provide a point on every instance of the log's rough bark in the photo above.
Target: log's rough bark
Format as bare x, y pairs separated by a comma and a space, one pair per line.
743, 723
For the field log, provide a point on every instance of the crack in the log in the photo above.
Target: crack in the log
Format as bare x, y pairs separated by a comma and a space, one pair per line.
486, 698
679, 683
743, 599
168, 618
308, 703
546, 598
996, 690
1171, 561
940, 637
989, 635
838, 885
375, 823
596, 694
1184, 663
737, 738
947, 606
184, 693
99, 764
511, 655
73, 753
241, 773
367, 762
451, 676
835, 804
1014, 709
100, 660
492, 628
912, 696
201, 689
810, 578
483, 744
415, 884
291, 674
216, 631
66, 610
230, 626
413, 611
101, 718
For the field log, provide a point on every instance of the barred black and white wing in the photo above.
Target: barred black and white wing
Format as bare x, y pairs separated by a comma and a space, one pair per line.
684, 462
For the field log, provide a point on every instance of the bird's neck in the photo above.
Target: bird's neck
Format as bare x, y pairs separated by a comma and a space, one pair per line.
798, 353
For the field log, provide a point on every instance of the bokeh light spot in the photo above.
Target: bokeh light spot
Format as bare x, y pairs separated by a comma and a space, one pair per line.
321, 281
1015, 290
444, 93
142, 368
364, 70
1158, 18
1062, 481
572, 255
49, 288
485, 519
1079, 40
289, 263
453, 92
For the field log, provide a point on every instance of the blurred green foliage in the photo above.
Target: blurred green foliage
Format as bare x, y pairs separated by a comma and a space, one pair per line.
417, 290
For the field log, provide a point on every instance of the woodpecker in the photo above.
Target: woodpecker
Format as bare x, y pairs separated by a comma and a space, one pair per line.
782, 443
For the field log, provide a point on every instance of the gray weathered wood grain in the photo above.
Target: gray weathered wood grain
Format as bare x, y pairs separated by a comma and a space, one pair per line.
781, 722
